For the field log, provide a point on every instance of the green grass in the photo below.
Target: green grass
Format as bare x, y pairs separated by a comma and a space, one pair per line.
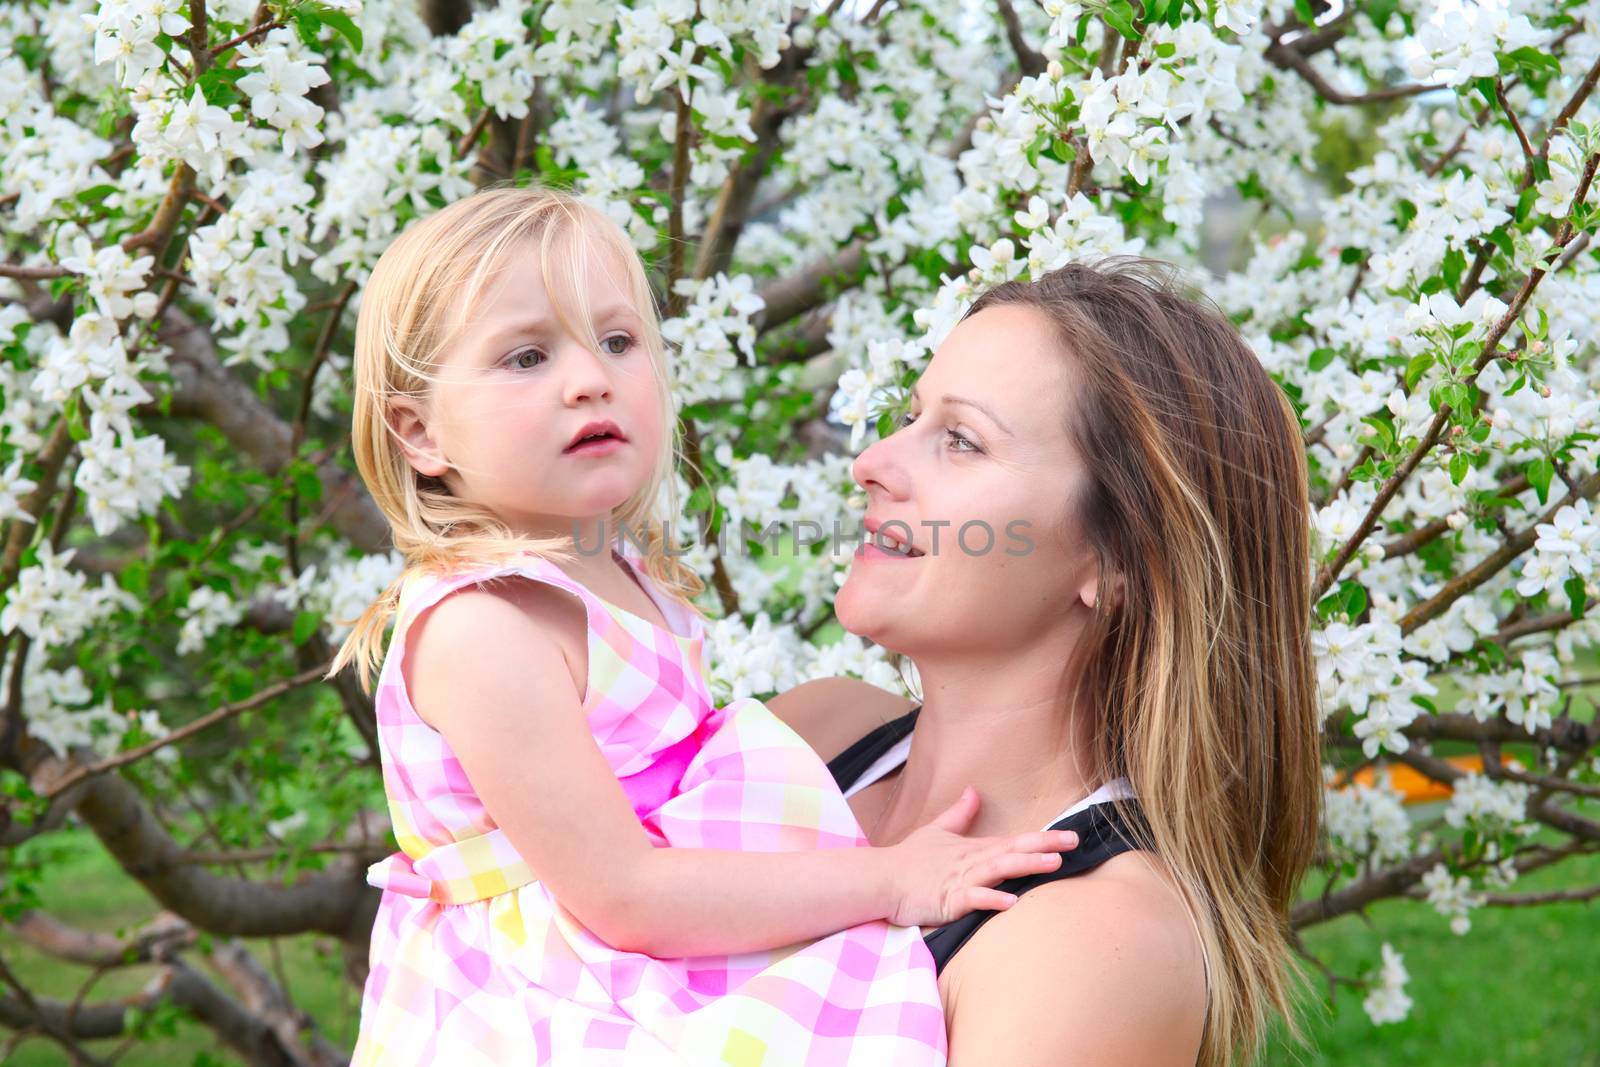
86, 890
1519, 990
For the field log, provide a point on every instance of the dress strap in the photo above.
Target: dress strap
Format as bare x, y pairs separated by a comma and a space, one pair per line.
420, 591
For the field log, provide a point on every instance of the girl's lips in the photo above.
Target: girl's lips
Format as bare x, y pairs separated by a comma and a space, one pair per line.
601, 446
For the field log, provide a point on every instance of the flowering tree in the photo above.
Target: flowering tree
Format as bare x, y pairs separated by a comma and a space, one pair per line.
194, 192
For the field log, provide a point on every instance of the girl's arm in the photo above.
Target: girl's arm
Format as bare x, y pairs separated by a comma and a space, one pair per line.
486, 670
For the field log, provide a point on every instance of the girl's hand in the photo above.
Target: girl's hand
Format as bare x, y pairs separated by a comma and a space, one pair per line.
938, 875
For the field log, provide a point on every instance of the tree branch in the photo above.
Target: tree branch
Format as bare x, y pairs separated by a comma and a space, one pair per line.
792, 296
1287, 58
1492, 564
329, 901
187, 730
1030, 60
1491, 349
205, 389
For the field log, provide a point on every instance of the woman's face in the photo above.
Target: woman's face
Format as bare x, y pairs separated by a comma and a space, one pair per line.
984, 450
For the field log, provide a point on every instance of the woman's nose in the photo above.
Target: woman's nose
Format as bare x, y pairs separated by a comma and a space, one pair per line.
878, 470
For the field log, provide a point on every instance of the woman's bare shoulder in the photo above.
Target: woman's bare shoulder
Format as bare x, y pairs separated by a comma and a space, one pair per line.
831, 714
1104, 967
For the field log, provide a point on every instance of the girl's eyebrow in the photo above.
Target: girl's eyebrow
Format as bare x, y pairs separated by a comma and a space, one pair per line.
537, 325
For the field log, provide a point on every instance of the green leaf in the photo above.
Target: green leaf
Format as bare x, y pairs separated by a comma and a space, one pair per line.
135, 577
308, 485
1349, 600
1379, 11
305, 624
1383, 424
95, 193
1455, 262
1525, 203
306, 23
1576, 595
1119, 16
1460, 463
345, 27
1456, 394
1417, 368
1320, 358
1539, 472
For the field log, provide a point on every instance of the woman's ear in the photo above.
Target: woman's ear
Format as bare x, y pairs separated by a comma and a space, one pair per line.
1099, 585
409, 422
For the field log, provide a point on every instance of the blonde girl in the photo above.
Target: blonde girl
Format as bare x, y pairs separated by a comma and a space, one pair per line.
596, 864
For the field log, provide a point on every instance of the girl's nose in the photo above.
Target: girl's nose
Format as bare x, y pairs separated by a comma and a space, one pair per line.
588, 377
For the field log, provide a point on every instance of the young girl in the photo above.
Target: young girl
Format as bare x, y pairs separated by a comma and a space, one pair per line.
544, 724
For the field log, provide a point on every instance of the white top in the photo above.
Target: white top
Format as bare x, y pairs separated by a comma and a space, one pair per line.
1116, 789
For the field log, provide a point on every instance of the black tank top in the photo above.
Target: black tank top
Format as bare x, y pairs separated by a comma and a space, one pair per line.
1101, 828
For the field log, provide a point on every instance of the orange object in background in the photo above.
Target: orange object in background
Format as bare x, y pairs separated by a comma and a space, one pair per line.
1410, 783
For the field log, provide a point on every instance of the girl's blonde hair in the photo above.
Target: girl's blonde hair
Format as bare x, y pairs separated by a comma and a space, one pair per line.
1199, 675
421, 294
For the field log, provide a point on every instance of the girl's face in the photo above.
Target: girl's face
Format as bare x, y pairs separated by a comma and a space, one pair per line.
517, 388
981, 476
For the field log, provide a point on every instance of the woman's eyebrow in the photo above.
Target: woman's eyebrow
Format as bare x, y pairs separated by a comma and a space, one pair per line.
948, 398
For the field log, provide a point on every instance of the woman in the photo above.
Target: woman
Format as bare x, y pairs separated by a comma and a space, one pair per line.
1129, 658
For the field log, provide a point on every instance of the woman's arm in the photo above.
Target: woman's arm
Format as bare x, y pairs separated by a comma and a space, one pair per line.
1099, 970
487, 672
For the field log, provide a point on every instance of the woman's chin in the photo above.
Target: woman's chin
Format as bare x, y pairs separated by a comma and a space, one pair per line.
863, 611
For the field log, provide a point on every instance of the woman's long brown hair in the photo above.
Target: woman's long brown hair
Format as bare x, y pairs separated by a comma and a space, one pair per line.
1199, 672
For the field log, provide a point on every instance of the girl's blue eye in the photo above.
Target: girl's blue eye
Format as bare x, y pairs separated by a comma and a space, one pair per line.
625, 341
950, 435
526, 358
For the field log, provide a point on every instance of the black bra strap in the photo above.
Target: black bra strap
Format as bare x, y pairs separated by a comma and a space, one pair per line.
1102, 834
848, 766
1102, 830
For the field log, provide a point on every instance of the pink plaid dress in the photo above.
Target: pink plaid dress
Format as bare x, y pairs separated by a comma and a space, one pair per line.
474, 962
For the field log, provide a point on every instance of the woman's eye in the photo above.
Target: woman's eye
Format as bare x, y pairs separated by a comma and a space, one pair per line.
964, 443
618, 345
525, 359
955, 438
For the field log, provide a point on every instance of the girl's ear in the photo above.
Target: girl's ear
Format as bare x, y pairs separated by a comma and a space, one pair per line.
409, 422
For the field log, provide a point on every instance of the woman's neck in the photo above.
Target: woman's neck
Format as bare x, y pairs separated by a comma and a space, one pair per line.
1000, 728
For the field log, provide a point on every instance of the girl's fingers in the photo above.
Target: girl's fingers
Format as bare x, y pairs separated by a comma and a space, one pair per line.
978, 898
1019, 864
1044, 841
958, 816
